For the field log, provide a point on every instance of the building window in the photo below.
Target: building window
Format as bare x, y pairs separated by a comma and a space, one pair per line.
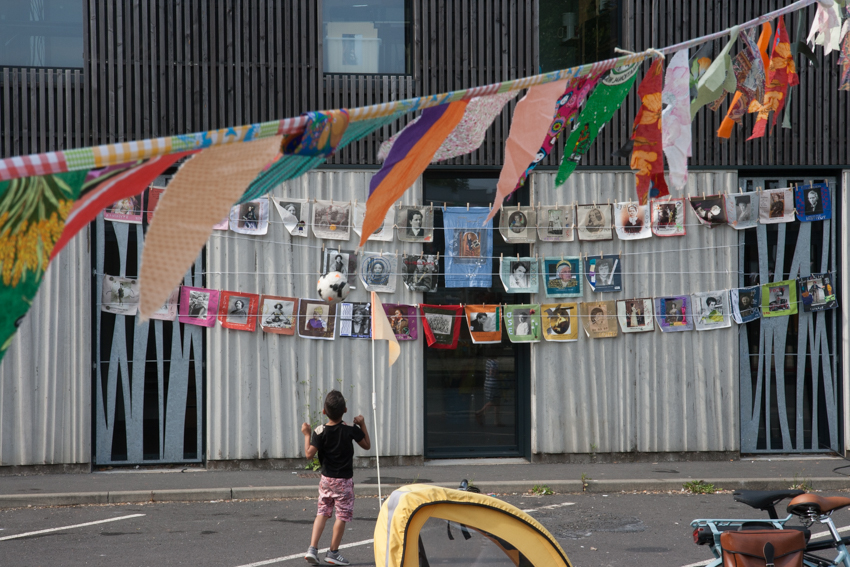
367, 36
41, 33
575, 32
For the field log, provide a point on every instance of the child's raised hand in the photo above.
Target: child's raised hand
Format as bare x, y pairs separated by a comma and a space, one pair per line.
359, 421
305, 428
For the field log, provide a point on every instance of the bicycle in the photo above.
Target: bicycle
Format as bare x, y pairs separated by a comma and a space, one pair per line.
809, 508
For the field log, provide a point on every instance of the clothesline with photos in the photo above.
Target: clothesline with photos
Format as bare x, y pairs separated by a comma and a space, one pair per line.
62, 191
558, 321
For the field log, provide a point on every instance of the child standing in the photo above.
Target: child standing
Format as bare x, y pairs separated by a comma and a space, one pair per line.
333, 442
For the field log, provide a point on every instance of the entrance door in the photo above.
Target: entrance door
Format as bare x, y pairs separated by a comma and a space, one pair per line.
477, 397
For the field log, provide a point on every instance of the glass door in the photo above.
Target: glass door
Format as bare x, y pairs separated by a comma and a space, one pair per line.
477, 396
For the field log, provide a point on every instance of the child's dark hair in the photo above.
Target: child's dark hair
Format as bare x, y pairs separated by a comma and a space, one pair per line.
334, 405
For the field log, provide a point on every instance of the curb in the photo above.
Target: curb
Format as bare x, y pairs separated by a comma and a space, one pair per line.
497, 487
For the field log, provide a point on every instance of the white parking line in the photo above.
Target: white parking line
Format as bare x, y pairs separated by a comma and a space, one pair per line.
71, 527
301, 555
550, 507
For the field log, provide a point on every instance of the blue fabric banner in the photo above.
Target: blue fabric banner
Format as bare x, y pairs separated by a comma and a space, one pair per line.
469, 247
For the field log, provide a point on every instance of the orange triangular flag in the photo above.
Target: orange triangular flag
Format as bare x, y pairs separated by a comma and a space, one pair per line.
381, 328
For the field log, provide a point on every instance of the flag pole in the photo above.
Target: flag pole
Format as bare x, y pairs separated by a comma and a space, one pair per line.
374, 411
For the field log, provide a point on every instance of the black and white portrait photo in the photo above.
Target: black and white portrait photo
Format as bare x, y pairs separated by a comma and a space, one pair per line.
355, 320
710, 211
813, 203
415, 224
519, 274
251, 217
198, 304
420, 272
482, 322
237, 310
440, 324
518, 224
342, 261
594, 222
119, 295
414, 227
293, 213
278, 314
555, 223
331, 220
378, 271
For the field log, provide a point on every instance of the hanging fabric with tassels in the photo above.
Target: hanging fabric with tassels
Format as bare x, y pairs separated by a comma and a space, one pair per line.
676, 120
781, 75
749, 66
647, 156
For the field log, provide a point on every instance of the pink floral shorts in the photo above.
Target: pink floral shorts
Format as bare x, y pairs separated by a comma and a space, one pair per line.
336, 493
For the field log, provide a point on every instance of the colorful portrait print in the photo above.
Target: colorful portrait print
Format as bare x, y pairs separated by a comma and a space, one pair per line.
779, 298
563, 277
469, 244
674, 313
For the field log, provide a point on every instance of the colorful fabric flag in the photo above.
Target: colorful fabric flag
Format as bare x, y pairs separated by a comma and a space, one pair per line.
817, 292
441, 325
718, 79
635, 315
470, 132
409, 157
238, 310
321, 135
485, 323
198, 306
469, 247
600, 108
826, 28
563, 276
813, 202
599, 319
711, 310
518, 224
782, 74
647, 158
522, 322
33, 211
776, 206
676, 120
566, 109
382, 330
674, 313
403, 320
604, 274
519, 275
745, 304
200, 195
779, 298
384, 232
844, 57
742, 210
751, 82
530, 122
560, 322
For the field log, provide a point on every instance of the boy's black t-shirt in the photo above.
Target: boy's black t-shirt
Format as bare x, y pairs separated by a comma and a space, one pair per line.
336, 449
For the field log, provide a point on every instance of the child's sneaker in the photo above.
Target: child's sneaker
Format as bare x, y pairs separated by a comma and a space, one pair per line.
334, 558
312, 556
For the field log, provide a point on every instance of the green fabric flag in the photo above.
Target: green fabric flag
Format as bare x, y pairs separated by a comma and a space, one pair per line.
599, 109
32, 215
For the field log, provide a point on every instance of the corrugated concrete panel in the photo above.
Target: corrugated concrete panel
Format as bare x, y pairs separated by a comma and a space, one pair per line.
646, 392
45, 377
262, 386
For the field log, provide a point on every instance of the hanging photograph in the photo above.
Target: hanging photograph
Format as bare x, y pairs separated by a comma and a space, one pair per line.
604, 273
238, 310
383, 233
278, 314
378, 271
556, 223
745, 304
674, 313
518, 224
594, 222
485, 323
779, 298
710, 211
668, 217
402, 320
198, 306
599, 319
153, 196
522, 323
711, 310
331, 220
635, 315
776, 206
441, 325
742, 210
817, 292
168, 311
519, 275
469, 247
251, 217
562, 276
355, 320
560, 321
316, 319
342, 261
632, 221
127, 210
813, 202
415, 224
119, 295
293, 213
420, 273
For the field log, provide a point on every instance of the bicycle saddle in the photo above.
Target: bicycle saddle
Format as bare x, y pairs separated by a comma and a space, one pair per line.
804, 504
764, 499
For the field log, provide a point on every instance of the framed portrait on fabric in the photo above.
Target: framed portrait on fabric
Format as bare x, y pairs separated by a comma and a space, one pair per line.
342, 261
594, 222
420, 273
469, 247
674, 313
251, 217
668, 217
383, 233
776, 206
293, 213
711, 310
238, 310
168, 311
563, 276
710, 211
556, 223
518, 224
742, 210
519, 275
604, 273
635, 315
560, 321
316, 319
119, 295
127, 210
198, 306
415, 224
485, 323
813, 202
331, 221
355, 320
522, 323
779, 299
441, 325
599, 319
278, 314
746, 304
817, 292
378, 271
402, 319
632, 221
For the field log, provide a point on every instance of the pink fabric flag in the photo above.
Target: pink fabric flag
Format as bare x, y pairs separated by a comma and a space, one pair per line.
530, 123
382, 330
676, 119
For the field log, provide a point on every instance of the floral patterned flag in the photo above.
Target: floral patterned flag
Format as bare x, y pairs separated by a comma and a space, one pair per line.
749, 66
676, 119
32, 216
782, 73
647, 156
844, 57
320, 137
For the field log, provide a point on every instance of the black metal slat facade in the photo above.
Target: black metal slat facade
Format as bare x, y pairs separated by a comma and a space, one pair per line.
156, 68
